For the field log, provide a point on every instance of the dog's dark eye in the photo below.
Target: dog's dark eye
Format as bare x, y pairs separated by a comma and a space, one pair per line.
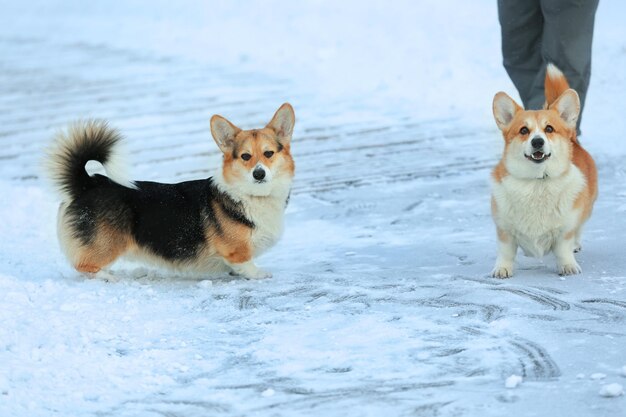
549, 129
268, 154
246, 156
524, 131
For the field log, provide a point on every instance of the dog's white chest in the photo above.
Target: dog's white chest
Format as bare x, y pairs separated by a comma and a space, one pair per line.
267, 216
537, 211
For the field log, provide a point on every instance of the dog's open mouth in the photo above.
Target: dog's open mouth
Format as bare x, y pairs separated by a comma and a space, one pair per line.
538, 156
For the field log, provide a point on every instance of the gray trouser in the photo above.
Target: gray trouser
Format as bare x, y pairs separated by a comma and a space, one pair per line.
538, 32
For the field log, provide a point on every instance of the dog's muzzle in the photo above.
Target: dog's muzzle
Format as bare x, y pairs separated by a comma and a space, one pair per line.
538, 155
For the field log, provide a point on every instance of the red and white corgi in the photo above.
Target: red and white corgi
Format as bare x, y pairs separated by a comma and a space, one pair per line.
545, 185
211, 225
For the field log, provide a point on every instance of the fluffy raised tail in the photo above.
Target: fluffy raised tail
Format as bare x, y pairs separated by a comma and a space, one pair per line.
84, 141
555, 84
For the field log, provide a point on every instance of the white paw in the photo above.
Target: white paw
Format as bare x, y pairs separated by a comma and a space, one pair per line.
502, 271
570, 269
258, 274
249, 270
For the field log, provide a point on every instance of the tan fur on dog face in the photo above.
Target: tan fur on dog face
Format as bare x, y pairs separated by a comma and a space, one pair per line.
264, 148
553, 125
267, 149
537, 121
545, 124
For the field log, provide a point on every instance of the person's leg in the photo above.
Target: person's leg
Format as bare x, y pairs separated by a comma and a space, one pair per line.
521, 23
566, 42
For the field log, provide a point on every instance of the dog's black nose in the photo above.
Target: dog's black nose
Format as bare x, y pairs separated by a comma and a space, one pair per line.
537, 143
258, 174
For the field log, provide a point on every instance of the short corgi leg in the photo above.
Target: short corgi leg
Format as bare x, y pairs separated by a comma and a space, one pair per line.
100, 274
507, 248
577, 245
238, 256
86, 268
104, 250
564, 252
91, 264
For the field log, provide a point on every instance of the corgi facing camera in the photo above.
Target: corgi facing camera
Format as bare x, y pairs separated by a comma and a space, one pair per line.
545, 185
213, 225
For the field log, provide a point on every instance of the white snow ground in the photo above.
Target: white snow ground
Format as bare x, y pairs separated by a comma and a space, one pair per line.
380, 302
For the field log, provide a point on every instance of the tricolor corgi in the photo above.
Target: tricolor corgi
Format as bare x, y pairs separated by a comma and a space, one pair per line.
211, 225
545, 185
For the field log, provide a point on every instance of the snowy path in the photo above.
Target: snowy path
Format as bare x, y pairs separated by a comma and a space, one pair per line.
380, 302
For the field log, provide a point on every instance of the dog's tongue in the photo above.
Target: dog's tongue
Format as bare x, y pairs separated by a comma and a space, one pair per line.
538, 155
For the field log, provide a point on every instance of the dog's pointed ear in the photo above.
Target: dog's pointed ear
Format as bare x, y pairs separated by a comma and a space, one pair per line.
504, 110
568, 107
224, 133
282, 123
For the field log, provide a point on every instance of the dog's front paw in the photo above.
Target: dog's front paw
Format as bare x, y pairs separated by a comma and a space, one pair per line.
258, 274
502, 271
249, 270
570, 269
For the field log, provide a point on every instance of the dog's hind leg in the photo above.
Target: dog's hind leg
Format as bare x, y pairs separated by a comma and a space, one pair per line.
92, 260
106, 247
87, 267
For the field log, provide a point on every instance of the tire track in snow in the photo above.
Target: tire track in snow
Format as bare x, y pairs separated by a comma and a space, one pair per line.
534, 361
615, 303
536, 296
375, 391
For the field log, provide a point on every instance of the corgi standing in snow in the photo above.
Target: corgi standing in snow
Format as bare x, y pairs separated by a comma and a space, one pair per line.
545, 185
211, 225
